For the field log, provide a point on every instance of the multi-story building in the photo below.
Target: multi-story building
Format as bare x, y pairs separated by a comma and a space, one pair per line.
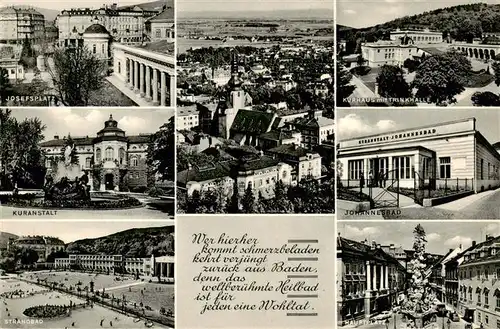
479, 284
126, 25
387, 53
369, 281
437, 277
451, 278
187, 117
162, 26
19, 24
306, 163
259, 173
162, 266
43, 245
120, 160
397, 253
314, 130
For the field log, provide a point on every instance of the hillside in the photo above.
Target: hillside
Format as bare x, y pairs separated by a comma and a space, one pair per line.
4, 239
462, 22
139, 242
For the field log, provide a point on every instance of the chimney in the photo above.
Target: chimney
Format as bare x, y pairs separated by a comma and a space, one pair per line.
374, 245
113, 6
56, 137
489, 237
473, 243
378, 245
391, 246
451, 249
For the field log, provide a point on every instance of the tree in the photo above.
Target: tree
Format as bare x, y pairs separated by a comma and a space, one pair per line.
441, 77
20, 154
56, 254
360, 60
391, 82
248, 203
28, 256
233, 206
344, 88
486, 98
496, 68
5, 86
161, 151
77, 74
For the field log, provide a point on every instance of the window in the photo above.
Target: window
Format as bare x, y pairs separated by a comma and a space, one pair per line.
98, 155
355, 168
486, 297
109, 154
87, 162
102, 48
134, 162
119, 67
482, 165
445, 167
94, 49
121, 155
12, 71
403, 167
158, 33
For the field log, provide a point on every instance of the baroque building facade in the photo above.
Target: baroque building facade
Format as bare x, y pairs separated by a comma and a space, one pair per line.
116, 161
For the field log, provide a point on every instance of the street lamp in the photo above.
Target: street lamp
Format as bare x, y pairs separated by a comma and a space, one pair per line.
448, 323
387, 323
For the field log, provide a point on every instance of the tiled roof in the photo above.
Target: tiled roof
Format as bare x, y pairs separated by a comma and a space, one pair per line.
196, 174
62, 142
488, 257
364, 250
276, 135
165, 16
253, 122
289, 149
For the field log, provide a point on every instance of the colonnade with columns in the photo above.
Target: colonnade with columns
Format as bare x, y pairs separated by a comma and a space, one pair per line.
150, 82
376, 281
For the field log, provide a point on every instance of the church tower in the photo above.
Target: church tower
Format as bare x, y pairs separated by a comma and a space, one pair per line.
227, 114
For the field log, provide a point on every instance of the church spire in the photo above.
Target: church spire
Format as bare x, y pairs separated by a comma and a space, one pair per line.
234, 82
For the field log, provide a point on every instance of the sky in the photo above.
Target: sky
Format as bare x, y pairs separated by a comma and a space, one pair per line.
440, 238
75, 230
87, 122
59, 5
363, 122
250, 5
365, 13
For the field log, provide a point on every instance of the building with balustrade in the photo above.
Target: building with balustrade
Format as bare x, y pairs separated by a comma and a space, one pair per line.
150, 74
418, 36
18, 24
479, 284
442, 155
112, 158
369, 281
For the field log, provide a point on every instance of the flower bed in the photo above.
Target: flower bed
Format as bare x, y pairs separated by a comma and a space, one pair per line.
46, 311
351, 195
124, 202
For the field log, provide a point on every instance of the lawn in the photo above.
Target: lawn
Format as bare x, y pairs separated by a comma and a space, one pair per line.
109, 95
479, 80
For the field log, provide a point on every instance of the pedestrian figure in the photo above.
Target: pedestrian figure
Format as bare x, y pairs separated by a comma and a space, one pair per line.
102, 320
361, 180
370, 178
73, 324
110, 323
381, 178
